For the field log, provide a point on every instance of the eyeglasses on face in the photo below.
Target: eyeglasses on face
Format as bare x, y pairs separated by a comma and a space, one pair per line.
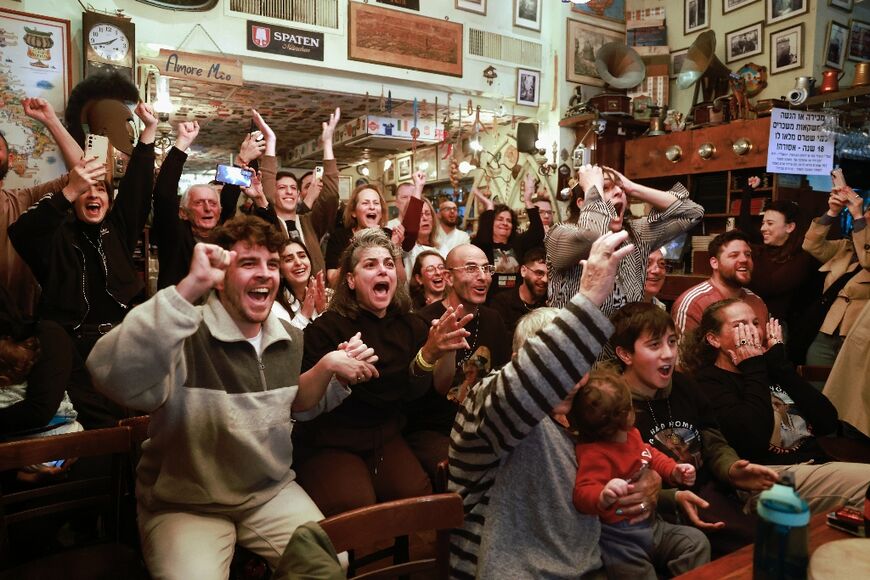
472, 269
431, 269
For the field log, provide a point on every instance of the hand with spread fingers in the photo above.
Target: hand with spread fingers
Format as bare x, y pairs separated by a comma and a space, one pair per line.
774, 333
447, 334
86, 173
751, 476
590, 176
747, 343
250, 150
599, 271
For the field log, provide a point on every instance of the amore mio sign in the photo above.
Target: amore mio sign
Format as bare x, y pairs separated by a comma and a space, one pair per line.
198, 67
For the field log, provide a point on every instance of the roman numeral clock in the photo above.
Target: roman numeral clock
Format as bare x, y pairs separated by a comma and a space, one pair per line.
109, 44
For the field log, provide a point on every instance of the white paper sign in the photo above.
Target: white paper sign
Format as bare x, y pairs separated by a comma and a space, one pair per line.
797, 145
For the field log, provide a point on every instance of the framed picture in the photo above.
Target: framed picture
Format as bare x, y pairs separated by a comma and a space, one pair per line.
787, 49
859, 41
527, 14
732, 5
614, 10
584, 40
427, 160
835, 47
696, 15
528, 87
744, 42
779, 10
677, 58
844, 4
345, 187
35, 63
404, 167
389, 37
477, 6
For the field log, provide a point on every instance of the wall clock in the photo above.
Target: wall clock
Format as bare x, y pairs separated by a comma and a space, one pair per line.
109, 44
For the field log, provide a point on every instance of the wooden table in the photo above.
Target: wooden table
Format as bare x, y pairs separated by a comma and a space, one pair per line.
739, 563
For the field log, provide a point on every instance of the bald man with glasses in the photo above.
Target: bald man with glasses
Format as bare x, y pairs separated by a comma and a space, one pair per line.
430, 418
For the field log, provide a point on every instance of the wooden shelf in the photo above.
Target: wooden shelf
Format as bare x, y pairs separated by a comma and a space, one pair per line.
843, 95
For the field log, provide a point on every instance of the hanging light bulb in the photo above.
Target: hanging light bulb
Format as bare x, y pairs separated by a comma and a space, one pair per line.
363, 170
474, 144
163, 103
465, 167
387, 164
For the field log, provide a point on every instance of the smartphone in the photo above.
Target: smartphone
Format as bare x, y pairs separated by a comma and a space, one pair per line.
233, 175
849, 520
318, 172
58, 463
97, 146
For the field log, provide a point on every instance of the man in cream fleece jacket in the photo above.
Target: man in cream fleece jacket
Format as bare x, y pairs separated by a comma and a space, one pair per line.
220, 382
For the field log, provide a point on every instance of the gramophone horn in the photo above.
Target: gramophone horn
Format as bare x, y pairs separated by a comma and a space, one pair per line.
619, 65
702, 63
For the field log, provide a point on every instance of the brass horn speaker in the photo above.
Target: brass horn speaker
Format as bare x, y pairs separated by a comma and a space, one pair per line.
621, 68
619, 65
703, 69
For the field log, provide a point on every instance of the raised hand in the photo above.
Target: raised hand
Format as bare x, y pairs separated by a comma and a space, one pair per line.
250, 149
684, 474
599, 271
354, 347
854, 202
398, 235
419, 179
186, 134
327, 133
255, 191
747, 343
447, 334
482, 199
528, 188
266, 130
146, 113
628, 186
39, 110
321, 299
86, 173
591, 176
208, 267
751, 476
774, 333
836, 202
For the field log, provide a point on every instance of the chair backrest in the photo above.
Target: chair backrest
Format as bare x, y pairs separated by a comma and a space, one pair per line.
365, 526
814, 373
138, 427
90, 488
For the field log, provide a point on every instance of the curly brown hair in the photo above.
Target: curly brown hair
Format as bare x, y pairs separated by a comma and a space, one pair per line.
251, 229
344, 300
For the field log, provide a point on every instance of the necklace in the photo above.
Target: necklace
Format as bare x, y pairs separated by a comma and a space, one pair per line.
473, 343
671, 434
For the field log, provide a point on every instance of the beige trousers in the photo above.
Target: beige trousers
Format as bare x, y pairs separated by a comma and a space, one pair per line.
826, 486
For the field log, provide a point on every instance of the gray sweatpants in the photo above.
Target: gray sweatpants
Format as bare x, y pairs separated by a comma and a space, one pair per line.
636, 550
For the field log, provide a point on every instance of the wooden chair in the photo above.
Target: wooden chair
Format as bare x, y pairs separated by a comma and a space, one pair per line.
441, 473
814, 373
83, 490
365, 526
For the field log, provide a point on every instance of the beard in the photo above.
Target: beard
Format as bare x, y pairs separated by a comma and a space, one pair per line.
451, 223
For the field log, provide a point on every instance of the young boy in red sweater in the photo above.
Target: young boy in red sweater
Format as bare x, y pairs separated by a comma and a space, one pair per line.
611, 455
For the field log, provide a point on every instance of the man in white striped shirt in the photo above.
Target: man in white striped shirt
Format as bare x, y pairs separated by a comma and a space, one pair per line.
514, 465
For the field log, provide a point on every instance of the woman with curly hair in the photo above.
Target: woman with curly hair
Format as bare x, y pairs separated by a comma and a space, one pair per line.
354, 455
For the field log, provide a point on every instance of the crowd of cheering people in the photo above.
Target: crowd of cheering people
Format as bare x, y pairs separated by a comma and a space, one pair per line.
302, 358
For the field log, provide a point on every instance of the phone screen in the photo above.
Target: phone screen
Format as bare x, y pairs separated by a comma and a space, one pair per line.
233, 175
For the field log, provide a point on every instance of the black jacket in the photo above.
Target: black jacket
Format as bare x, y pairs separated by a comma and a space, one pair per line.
47, 237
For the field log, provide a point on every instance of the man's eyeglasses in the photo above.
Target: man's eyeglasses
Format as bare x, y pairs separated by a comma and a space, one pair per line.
472, 269
432, 269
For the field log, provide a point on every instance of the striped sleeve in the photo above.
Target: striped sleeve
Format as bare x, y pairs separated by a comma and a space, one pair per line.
507, 405
662, 226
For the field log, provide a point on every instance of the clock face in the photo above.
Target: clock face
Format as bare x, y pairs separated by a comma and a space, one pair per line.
109, 42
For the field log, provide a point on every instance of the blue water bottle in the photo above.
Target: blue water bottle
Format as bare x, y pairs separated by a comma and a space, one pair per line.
781, 550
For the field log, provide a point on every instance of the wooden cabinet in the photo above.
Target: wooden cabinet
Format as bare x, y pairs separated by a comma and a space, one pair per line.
681, 153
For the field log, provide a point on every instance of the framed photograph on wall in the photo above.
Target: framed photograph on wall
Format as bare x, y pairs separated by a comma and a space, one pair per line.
859, 41
843, 4
584, 41
677, 58
528, 87
779, 10
787, 49
696, 15
435, 45
835, 46
476, 6
744, 42
527, 14
345, 187
732, 5
404, 167
614, 10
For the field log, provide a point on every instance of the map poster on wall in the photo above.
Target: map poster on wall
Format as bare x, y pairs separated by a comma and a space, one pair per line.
797, 144
34, 62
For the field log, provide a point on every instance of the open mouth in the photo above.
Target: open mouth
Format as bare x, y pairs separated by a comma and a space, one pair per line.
438, 284
372, 218
260, 294
665, 371
299, 272
381, 289
93, 209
